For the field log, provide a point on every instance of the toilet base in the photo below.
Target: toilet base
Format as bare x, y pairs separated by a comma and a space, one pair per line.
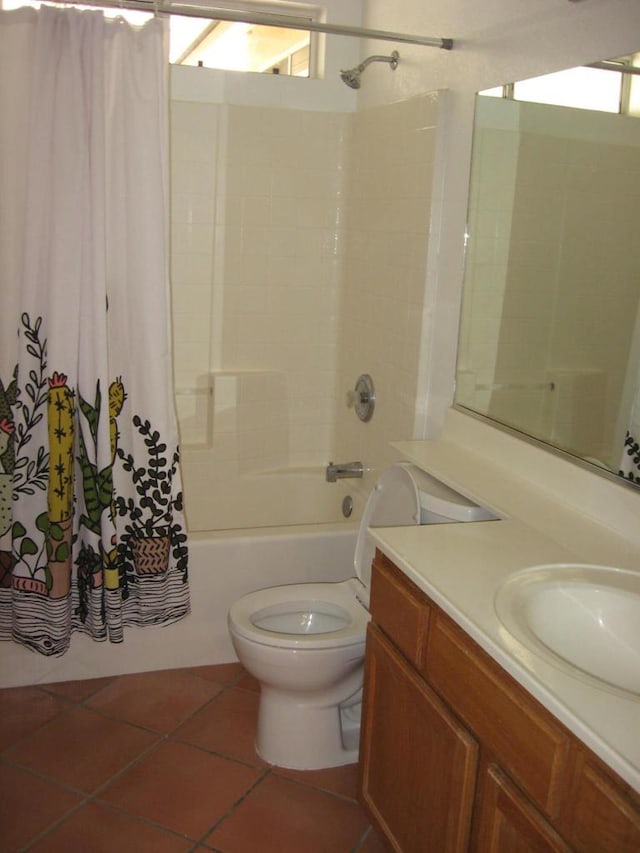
301, 735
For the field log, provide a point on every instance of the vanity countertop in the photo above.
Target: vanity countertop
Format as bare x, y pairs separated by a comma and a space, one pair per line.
461, 566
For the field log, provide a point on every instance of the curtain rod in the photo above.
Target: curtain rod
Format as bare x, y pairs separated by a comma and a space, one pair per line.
606, 65
268, 20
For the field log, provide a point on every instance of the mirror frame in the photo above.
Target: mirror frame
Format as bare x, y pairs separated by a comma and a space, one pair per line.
551, 448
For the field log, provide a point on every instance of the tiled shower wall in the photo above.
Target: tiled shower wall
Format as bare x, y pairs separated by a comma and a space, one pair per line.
256, 219
279, 288
298, 262
194, 132
389, 191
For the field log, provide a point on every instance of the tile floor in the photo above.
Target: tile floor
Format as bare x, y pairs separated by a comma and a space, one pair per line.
161, 762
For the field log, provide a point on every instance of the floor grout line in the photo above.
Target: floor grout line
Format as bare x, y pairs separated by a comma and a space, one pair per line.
232, 808
161, 738
53, 826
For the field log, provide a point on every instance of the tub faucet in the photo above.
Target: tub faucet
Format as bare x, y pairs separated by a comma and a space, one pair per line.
340, 470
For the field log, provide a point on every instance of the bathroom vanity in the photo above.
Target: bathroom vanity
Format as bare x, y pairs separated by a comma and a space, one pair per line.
470, 740
456, 755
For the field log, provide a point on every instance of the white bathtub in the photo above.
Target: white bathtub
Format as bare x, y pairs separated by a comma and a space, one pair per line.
222, 567
218, 497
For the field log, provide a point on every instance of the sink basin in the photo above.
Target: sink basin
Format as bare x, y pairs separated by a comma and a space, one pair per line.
584, 619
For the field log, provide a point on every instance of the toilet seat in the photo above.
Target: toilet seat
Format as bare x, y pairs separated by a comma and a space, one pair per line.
329, 615
342, 620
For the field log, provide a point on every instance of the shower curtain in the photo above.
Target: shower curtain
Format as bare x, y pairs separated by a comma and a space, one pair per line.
630, 459
91, 524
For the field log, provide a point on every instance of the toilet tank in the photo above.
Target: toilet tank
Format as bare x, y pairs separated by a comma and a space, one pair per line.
439, 504
406, 495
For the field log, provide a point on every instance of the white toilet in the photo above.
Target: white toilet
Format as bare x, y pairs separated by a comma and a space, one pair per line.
305, 642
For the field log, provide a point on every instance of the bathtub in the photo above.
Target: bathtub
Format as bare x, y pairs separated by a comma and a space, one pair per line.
218, 497
222, 567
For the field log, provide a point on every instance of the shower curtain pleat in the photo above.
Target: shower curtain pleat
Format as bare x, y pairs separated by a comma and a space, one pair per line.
91, 525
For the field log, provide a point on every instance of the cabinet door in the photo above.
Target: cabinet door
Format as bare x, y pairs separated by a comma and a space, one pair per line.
508, 823
418, 764
601, 815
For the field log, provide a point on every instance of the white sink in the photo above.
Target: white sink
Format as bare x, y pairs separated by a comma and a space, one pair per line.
584, 619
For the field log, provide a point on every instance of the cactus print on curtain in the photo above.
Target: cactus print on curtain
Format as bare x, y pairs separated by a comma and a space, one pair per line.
630, 458
630, 462
92, 534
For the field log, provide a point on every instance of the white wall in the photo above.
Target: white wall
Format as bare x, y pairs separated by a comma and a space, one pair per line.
495, 41
326, 92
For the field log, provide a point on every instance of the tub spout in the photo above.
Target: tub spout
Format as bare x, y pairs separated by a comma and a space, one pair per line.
340, 470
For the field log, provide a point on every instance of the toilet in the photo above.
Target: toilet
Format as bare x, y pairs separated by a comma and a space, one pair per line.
305, 642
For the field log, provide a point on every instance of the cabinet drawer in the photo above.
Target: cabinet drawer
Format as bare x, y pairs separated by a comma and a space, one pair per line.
531, 747
601, 815
399, 608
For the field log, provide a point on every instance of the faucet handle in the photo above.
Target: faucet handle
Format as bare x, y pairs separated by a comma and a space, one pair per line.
363, 397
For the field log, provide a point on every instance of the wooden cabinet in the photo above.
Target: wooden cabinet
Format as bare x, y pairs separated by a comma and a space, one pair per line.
437, 770
457, 756
600, 814
532, 749
506, 821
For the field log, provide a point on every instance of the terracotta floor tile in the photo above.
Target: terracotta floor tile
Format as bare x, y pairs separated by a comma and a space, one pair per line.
374, 843
221, 673
338, 780
155, 700
101, 829
181, 788
171, 797
81, 748
248, 682
226, 726
23, 710
28, 805
76, 691
279, 815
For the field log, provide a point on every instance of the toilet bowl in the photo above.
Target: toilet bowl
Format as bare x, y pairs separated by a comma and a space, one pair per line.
305, 642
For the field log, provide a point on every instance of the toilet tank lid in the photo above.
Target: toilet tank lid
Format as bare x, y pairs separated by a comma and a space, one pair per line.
442, 500
393, 501
401, 496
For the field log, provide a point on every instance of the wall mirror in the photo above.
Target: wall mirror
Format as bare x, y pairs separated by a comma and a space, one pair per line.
550, 331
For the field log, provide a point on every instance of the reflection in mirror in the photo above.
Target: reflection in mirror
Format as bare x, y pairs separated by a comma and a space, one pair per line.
550, 333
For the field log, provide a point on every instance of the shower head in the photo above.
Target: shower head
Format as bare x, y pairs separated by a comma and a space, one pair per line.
352, 75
